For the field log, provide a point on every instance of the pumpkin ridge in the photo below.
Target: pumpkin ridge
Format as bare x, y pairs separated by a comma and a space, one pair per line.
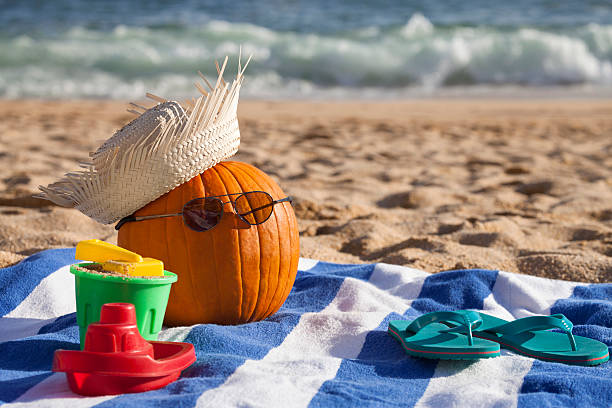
291, 224
271, 302
263, 281
283, 273
288, 284
264, 300
293, 264
235, 236
167, 233
206, 240
247, 314
218, 302
236, 166
171, 254
190, 271
294, 249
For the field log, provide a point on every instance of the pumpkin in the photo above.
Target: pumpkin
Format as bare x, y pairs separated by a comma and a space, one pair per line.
233, 273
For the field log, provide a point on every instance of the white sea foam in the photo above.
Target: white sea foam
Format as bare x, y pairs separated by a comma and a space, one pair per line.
416, 57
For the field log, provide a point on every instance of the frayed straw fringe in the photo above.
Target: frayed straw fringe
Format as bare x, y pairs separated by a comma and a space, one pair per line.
162, 148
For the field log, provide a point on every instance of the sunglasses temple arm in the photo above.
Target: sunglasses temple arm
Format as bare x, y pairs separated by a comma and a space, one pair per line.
149, 217
123, 221
142, 218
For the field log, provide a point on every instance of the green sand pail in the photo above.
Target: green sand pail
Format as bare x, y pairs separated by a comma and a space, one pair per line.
148, 295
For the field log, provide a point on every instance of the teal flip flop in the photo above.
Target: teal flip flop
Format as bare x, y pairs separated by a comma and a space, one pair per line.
529, 336
427, 337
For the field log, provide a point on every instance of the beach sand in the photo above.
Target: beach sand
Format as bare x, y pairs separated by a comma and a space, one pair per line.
518, 185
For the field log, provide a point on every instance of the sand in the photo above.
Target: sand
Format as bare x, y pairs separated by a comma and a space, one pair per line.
519, 185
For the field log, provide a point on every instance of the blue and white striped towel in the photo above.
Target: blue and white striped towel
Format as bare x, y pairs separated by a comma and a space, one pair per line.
327, 346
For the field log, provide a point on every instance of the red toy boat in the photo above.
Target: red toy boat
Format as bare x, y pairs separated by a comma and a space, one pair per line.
117, 360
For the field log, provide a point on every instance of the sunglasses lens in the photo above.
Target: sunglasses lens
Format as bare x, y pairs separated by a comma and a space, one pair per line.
254, 207
202, 214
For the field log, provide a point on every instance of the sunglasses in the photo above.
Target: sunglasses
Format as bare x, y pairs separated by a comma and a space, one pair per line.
203, 214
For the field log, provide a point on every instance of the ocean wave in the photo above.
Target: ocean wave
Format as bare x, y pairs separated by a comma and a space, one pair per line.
127, 61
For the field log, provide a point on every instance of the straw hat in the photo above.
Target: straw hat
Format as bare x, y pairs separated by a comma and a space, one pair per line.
161, 149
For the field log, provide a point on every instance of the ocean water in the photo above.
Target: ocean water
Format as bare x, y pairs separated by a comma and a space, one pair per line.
305, 49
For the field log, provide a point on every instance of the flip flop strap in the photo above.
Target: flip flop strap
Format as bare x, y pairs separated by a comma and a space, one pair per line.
535, 323
466, 321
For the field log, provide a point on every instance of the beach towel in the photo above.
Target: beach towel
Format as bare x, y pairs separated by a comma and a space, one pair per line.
327, 346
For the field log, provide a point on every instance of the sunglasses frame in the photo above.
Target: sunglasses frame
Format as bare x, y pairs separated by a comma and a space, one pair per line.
133, 218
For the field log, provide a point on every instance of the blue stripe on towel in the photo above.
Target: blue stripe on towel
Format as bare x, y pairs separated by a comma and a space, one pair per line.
222, 349
454, 290
362, 272
35, 353
12, 388
555, 384
25, 363
62, 323
28, 361
383, 373
18, 281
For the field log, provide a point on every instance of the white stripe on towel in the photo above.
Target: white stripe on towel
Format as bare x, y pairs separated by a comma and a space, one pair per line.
14, 328
292, 373
53, 392
305, 264
499, 379
178, 333
519, 296
53, 297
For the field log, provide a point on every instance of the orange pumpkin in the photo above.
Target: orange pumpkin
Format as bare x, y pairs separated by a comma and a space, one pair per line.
233, 273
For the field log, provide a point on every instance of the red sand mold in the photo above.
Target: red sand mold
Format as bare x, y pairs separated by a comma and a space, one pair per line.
117, 359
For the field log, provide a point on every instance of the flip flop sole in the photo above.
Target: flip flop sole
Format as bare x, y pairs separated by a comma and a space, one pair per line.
431, 343
597, 355
545, 345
